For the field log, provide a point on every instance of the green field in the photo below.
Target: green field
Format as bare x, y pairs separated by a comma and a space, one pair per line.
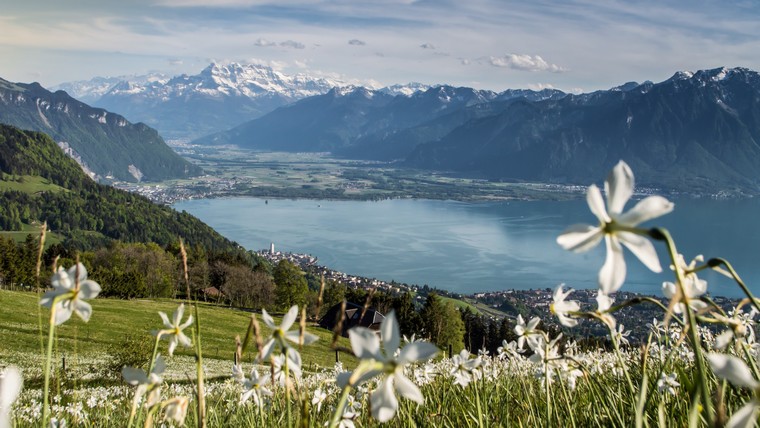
34, 230
113, 320
239, 172
461, 304
28, 184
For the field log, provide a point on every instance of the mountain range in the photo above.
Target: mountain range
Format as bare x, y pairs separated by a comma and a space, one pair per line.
106, 144
220, 97
695, 131
365, 123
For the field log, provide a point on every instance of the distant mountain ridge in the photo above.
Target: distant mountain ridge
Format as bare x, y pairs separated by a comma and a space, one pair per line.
105, 143
220, 97
693, 132
365, 123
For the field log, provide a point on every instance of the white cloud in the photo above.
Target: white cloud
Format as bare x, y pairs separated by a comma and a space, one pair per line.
356, 42
264, 43
540, 86
524, 62
292, 44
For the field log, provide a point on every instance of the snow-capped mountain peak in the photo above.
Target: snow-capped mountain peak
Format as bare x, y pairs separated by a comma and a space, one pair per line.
218, 97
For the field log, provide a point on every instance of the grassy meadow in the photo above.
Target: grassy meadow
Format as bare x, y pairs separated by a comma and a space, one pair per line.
572, 388
114, 320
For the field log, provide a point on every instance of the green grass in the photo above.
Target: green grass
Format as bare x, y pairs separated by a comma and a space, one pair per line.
28, 184
112, 320
34, 230
461, 304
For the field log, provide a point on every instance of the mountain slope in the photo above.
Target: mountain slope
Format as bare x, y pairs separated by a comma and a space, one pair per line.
220, 97
363, 123
318, 124
696, 131
86, 212
107, 143
693, 132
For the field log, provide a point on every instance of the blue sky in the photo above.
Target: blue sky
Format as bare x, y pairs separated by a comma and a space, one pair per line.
574, 45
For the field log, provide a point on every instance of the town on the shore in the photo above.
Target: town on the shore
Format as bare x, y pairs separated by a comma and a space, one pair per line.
635, 321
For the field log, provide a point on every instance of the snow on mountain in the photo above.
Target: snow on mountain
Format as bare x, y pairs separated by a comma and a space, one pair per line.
220, 97
89, 91
406, 90
231, 80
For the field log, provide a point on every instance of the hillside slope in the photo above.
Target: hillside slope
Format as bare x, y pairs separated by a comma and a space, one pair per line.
86, 212
106, 143
696, 131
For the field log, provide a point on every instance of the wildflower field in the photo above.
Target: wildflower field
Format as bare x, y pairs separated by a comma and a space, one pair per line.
210, 366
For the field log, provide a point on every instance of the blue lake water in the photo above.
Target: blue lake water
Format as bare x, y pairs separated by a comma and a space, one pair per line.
470, 247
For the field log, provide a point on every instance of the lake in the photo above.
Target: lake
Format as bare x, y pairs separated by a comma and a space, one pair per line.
486, 246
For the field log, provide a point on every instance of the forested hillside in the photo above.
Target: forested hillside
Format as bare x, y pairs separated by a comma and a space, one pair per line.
108, 144
85, 212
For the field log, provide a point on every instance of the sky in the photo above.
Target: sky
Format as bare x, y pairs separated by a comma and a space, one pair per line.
573, 45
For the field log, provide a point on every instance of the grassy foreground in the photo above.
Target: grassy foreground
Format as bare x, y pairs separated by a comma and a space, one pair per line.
581, 389
113, 320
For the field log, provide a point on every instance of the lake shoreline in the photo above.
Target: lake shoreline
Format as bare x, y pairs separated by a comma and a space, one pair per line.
466, 247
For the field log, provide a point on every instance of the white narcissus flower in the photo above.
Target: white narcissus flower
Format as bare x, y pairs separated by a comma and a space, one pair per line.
693, 287
176, 409
70, 288
254, 388
280, 333
668, 383
318, 399
543, 352
173, 329
293, 360
146, 382
508, 349
603, 304
237, 373
526, 332
621, 335
740, 326
366, 345
737, 372
613, 227
57, 423
732, 369
562, 307
464, 366
11, 382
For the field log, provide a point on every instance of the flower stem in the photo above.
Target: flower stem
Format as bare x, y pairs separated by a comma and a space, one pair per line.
664, 235
151, 365
287, 389
715, 262
623, 367
477, 400
46, 390
546, 383
338, 414
199, 368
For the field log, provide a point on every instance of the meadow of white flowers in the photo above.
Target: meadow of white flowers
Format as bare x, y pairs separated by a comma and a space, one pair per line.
684, 375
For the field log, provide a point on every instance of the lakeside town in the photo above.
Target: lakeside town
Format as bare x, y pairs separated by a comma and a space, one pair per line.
634, 322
